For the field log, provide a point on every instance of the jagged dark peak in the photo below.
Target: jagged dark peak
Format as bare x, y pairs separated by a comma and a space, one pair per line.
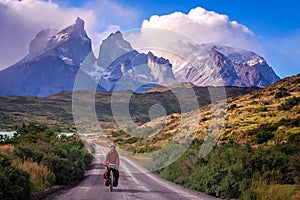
215, 53
79, 23
112, 48
39, 43
46, 33
236, 55
70, 44
150, 55
154, 58
49, 38
116, 35
75, 29
117, 38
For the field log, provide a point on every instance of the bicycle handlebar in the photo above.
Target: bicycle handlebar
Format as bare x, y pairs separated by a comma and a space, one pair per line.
114, 166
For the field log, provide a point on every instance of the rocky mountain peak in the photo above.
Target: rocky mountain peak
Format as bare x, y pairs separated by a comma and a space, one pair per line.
79, 23
56, 56
112, 48
71, 44
116, 36
40, 41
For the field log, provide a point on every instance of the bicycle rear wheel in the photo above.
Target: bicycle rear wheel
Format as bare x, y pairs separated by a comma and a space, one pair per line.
110, 187
111, 181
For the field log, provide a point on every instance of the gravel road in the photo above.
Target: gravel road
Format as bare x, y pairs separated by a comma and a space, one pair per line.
134, 183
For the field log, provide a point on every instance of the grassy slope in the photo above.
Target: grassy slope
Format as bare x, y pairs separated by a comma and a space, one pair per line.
262, 162
247, 117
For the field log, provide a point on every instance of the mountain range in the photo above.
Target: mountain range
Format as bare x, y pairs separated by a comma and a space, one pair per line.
56, 57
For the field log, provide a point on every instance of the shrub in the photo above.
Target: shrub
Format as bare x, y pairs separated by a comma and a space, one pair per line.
65, 157
232, 106
296, 81
146, 149
40, 175
14, 182
262, 109
132, 140
295, 168
7, 149
262, 137
61, 167
277, 192
282, 93
235, 171
289, 103
68, 161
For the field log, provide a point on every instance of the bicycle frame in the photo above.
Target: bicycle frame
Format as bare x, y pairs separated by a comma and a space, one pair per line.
111, 175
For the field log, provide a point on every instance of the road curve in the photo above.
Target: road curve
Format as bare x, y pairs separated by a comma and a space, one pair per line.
134, 183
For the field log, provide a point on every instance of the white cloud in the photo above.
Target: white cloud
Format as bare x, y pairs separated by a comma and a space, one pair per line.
205, 26
20, 21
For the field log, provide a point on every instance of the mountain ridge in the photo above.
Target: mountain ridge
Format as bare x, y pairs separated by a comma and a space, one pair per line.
55, 58
53, 69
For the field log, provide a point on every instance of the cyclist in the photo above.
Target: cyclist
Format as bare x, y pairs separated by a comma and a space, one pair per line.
112, 157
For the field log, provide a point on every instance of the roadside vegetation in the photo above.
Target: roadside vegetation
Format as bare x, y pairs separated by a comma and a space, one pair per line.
37, 158
236, 171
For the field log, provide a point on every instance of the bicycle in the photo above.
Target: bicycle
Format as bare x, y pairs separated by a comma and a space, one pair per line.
111, 177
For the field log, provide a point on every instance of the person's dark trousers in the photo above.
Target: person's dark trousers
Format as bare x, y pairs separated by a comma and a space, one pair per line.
116, 175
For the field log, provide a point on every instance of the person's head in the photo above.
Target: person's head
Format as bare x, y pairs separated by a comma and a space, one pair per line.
112, 148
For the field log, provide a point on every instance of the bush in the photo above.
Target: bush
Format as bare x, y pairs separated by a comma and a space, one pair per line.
282, 93
132, 140
14, 182
232, 106
68, 160
262, 109
263, 137
234, 171
289, 103
146, 149
40, 175
277, 192
61, 167
266, 132
65, 157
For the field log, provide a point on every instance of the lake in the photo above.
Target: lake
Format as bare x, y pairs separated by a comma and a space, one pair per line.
10, 134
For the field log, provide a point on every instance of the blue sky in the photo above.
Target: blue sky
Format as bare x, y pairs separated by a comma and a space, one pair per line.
270, 20
264, 16
274, 24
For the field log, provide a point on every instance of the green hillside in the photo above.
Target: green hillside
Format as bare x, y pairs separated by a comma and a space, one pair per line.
56, 111
266, 116
257, 155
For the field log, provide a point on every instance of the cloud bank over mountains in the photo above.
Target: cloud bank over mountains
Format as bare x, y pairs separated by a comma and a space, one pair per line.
20, 21
204, 26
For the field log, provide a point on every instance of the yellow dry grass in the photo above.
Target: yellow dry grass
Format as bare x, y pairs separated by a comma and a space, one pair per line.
6, 149
38, 173
242, 114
